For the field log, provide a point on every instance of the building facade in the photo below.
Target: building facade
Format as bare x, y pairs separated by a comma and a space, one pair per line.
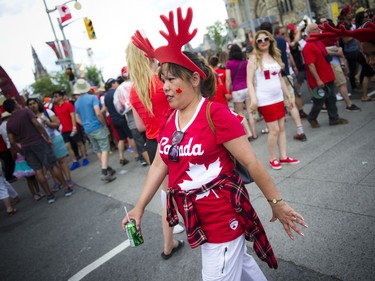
284, 11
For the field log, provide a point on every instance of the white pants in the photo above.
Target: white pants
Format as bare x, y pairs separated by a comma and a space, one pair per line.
229, 262
6, 190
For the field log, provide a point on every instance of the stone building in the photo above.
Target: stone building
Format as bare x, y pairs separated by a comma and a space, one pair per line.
39, 70
282, 11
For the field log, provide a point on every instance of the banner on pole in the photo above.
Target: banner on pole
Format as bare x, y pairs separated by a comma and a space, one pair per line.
66, 47
53, 46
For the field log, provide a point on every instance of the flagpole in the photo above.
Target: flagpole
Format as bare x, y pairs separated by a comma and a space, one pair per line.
70, 53
54, 33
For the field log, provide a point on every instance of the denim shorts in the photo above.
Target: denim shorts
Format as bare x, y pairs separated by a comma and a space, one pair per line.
59, 147
99, 140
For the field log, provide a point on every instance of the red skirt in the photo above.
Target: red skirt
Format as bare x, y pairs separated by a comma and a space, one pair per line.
272, 112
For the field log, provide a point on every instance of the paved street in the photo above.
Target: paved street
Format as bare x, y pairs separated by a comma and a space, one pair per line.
80, 238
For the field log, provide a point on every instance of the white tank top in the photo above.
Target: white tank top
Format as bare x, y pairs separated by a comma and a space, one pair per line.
267, 84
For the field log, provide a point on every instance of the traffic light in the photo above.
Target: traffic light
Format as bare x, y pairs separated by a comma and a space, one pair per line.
89, 28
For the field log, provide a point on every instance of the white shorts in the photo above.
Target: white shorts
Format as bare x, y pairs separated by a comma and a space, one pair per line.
229, 262
6, 190
240, 95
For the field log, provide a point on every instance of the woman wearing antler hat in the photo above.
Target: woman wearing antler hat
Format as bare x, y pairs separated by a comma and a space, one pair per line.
195, 145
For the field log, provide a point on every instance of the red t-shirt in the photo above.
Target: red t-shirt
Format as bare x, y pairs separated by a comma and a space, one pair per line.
313, 53
221, 75
63, 112
160, 108
202, 158
219, 95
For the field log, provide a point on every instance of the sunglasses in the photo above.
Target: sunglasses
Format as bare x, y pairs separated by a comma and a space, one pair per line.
261, 40
173, 153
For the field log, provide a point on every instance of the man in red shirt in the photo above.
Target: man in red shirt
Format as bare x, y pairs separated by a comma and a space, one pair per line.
320, 76
65, 112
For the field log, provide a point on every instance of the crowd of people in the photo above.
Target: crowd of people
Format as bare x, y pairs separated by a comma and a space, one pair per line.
172, 108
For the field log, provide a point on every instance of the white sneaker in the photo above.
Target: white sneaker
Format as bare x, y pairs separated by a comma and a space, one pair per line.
339, 97
349, 94
178, 229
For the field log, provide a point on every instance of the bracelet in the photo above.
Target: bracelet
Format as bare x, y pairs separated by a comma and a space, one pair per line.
275, 201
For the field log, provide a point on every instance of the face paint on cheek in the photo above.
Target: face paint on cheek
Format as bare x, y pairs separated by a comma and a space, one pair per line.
178, 91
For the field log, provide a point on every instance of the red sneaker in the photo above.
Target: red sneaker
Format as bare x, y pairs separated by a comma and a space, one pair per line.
289, 160
275, 164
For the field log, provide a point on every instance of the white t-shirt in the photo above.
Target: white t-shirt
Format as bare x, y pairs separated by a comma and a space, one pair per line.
50, 131
4, 133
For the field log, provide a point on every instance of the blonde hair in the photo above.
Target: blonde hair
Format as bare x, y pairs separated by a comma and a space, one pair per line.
141, 74
273, 50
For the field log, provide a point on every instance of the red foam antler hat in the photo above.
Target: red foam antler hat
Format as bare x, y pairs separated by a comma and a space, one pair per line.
363, 34
172, 51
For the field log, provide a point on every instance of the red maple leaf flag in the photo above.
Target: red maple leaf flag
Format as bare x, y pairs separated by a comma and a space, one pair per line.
64, 13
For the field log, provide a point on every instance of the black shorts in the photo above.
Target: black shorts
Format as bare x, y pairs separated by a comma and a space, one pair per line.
151, 146
78, 137
122, 128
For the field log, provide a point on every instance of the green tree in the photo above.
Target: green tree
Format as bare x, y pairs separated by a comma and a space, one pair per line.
218, 34
45, 86
93, 75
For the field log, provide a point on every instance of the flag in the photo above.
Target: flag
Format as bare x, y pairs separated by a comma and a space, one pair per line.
52, 44
7, 87
64, 13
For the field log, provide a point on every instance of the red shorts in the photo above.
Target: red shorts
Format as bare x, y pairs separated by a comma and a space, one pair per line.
272, 112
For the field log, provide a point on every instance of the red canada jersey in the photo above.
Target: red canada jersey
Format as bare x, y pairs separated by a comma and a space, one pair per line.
202, 157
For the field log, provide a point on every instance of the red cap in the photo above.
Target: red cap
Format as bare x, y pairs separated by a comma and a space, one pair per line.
291, 26
124, 72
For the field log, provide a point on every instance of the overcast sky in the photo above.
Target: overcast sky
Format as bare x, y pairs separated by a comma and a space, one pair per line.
24, 23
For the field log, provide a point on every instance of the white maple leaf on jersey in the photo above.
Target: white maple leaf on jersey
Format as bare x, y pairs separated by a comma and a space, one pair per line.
200, 175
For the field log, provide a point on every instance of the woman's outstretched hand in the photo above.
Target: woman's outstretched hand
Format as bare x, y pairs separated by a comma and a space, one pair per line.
288, 218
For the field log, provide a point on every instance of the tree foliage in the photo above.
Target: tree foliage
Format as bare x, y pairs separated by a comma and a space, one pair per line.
47, 84
93, 75
217, 33
59, 81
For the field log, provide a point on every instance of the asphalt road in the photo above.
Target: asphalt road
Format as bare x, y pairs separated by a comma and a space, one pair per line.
80, 238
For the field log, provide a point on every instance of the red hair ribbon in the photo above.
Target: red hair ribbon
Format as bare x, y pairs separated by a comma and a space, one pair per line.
172, 51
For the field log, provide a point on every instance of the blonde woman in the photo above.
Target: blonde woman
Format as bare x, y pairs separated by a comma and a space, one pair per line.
266, 88
150, 108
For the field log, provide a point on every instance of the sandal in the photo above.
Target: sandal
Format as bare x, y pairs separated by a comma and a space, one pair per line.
11, 213
265, 131
174, 250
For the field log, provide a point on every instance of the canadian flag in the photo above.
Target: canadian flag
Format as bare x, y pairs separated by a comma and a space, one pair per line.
64, 13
